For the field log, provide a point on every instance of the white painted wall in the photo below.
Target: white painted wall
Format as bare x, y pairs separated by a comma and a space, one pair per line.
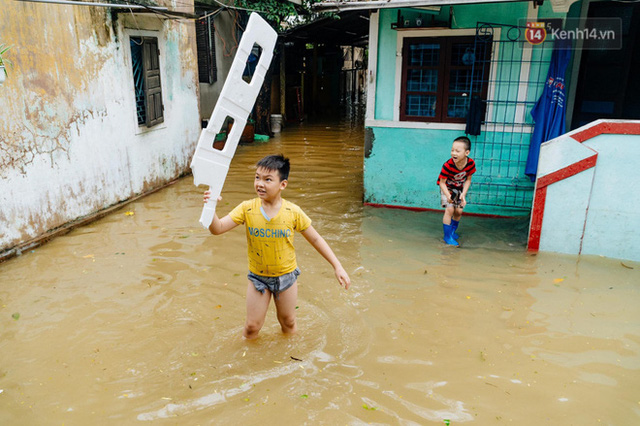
596, 211
70, 144
613, 222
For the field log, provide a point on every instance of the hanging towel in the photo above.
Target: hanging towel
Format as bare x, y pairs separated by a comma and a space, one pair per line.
475, 116
549, 111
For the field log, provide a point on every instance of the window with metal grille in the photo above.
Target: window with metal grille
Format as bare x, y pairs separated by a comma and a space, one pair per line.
145, 59
437, 74
206, 43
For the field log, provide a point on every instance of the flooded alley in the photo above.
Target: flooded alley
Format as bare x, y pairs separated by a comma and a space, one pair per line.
137, 317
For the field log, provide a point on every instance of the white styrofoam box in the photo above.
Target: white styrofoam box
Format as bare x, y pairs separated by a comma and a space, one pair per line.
210, 165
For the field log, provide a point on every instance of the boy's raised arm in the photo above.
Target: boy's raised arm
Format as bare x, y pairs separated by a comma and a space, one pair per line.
219, 226
316, 240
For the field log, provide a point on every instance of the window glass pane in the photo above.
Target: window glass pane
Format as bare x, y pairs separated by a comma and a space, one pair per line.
422, 80
462, 54
424, 55
460, 80
458, 106
421, 105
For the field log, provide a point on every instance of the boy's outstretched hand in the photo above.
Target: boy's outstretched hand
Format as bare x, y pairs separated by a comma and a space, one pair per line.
343, 277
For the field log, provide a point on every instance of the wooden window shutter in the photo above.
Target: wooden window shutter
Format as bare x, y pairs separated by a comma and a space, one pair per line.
152, 87
205, 42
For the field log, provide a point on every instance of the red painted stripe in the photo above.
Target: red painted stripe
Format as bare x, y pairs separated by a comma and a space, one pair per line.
422, 209
537, 214
570, 170
607, 128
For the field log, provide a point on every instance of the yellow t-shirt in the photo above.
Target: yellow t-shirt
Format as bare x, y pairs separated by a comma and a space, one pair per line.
270, 242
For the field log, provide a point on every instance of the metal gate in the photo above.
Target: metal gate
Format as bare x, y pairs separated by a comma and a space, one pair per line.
515, 78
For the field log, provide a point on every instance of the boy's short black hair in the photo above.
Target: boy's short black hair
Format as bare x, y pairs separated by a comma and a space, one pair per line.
276, 162
465, 140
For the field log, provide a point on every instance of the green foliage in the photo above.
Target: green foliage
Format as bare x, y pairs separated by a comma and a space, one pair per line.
277, 11
3, 61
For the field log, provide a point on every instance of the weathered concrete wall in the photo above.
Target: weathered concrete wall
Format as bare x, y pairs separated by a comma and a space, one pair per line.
70, 144
584, 201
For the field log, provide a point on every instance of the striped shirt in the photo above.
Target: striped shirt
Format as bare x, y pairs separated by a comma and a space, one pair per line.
454, 176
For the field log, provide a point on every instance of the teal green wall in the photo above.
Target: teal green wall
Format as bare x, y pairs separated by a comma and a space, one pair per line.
402, 164
385, 80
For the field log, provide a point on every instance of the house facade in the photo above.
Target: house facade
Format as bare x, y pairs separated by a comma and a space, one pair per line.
100, 106
430, 61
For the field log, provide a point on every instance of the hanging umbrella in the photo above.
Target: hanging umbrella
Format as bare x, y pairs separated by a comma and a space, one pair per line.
549, 111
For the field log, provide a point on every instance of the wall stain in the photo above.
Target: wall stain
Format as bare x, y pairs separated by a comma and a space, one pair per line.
369, 138
18, 149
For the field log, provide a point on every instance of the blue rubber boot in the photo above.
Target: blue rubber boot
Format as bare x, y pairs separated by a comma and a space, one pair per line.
454, 226
448, 238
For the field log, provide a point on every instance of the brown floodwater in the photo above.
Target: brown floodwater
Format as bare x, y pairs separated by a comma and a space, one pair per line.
137, 318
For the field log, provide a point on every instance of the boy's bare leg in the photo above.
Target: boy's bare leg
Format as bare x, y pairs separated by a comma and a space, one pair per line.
257, 305
457, 214
286, 309
448, 213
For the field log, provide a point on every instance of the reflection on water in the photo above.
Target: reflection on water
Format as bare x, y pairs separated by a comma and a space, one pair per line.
138, 318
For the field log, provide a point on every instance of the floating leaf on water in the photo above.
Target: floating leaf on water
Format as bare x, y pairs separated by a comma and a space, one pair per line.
446, 422
16, 316
219, 306
129, 213
558, 280
366, 407
305, 396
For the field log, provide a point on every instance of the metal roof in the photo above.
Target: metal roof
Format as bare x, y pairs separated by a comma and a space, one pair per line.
344, 5
351, 28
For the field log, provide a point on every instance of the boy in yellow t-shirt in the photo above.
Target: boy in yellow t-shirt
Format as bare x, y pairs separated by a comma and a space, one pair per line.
270, 224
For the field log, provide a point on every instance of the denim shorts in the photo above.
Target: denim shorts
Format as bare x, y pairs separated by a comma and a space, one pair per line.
274, 284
